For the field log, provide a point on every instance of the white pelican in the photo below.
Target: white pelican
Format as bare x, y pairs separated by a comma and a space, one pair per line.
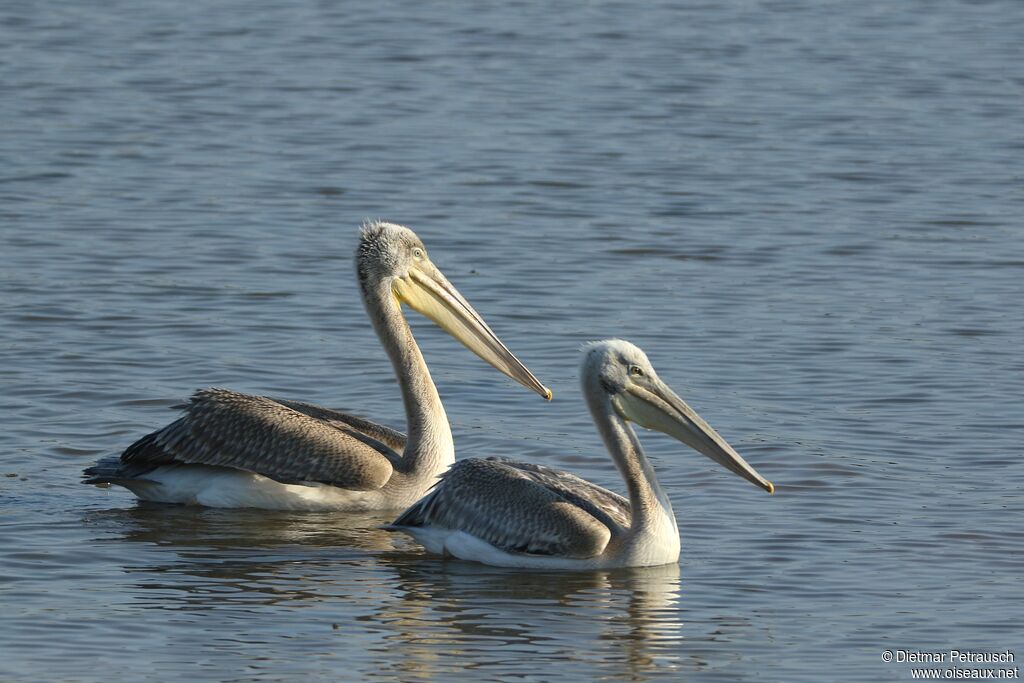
514, 514
236, 450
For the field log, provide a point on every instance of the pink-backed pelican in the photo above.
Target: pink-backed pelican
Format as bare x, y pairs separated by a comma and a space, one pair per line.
514, 514
237, 450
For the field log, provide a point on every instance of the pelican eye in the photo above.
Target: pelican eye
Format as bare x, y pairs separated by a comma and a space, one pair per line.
636, 371
418, 254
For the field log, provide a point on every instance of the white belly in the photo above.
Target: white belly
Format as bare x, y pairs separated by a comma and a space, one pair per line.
224, 488
652, 551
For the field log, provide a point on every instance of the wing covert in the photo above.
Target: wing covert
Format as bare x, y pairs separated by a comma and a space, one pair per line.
392, 438
606, 506
502, 504
256, 434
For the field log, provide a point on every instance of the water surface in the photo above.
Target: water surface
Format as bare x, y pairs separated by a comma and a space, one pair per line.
808, 214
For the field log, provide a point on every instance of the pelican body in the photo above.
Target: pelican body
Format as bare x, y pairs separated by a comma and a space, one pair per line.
513, 514
236, 450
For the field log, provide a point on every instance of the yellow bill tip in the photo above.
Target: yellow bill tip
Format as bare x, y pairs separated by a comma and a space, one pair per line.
771, 488
547, 394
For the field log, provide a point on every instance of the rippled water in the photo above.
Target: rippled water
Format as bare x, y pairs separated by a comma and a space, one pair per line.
808, 213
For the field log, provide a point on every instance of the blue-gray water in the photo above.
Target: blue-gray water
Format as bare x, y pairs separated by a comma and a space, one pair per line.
808, 213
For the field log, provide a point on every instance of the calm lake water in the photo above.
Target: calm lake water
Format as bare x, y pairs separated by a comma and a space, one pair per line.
808, 213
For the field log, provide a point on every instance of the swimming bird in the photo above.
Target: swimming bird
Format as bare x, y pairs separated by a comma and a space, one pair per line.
515, 514
237, 450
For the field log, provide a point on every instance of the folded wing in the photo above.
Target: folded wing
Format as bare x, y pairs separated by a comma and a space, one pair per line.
522, 508
288, 441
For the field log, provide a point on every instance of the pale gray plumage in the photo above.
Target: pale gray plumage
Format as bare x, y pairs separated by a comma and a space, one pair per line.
568, 516
392, 438
517, 514
224, 428
338, 460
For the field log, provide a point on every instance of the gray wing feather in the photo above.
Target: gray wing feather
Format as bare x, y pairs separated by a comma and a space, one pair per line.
392, 438
288, 441
521, 508
606, 506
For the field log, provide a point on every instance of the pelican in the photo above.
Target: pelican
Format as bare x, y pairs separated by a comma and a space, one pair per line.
235, 450
514, 514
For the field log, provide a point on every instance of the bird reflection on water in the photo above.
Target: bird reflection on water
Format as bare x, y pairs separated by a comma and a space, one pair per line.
410, 615
492, 618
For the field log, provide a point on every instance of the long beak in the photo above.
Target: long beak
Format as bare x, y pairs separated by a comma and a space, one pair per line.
658, 407
430, 293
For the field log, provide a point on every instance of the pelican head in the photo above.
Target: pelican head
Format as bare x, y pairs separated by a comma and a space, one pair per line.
621, 371
393, 256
